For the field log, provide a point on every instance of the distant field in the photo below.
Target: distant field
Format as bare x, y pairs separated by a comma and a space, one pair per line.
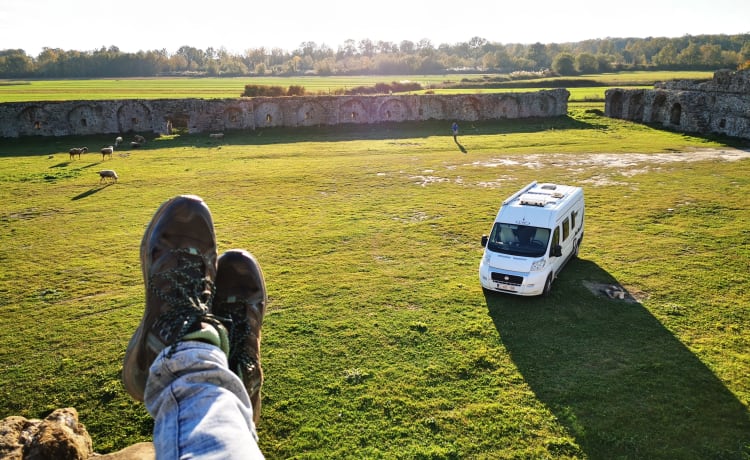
168, 88
158, 88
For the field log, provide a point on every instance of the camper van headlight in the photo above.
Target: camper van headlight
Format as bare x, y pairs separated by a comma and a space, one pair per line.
537, 265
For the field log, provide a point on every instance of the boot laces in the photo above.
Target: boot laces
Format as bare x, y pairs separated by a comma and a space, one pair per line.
189, 293
238, 324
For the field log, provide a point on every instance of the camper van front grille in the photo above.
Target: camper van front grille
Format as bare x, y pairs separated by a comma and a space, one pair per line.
507, 279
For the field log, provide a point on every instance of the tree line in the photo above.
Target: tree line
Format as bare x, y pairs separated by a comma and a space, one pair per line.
363, 57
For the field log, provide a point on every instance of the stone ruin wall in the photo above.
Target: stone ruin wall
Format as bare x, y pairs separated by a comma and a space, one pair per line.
718, 106
219, 115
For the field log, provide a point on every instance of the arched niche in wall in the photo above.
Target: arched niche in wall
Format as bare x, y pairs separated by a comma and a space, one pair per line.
133, 116
394, 110
268, 114
311, 114
233, 118
470, 109
85, 119
33, 120
507, 107
635, 107
432, 107
353, 111
675, 114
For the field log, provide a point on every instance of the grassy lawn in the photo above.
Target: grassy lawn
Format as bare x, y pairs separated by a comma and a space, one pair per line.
379, 341
176, 88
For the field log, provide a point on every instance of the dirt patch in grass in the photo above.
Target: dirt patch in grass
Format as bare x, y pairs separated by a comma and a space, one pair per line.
626, 164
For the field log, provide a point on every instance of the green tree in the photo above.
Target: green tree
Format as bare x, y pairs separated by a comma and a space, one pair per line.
424, 47
711, 55
367, 47
564, 64
538, 54
690, 56
15, 63
666, 56
604, 62
490, 61
587, 63
407, 47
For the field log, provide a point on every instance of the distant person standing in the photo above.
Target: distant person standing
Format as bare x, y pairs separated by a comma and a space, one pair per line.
454, 128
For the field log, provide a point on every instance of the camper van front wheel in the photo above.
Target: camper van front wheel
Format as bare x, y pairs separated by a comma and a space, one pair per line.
547, 285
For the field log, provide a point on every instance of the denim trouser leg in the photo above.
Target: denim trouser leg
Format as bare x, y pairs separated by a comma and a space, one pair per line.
200, 408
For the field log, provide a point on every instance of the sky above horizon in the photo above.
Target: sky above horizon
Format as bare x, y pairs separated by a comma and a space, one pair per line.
87, 25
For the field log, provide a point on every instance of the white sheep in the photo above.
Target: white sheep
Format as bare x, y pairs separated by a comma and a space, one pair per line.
107, 151
216, 135
135, 145
118, 139
107, 175
77, 151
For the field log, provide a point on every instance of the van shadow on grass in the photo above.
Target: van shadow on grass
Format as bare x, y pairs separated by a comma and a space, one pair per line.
619, 382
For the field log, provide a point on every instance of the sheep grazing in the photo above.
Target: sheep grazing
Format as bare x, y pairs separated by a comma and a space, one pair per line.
118, 140
139, 139
135, 145
107, 175
216, 135
107, 151
77, 151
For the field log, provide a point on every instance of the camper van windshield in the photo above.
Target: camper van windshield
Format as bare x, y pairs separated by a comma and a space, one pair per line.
519, 240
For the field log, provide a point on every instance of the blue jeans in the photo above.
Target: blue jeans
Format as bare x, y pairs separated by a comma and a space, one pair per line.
200, 408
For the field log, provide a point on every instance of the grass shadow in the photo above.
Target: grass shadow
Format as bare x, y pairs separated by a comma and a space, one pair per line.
390, 130
36, 145
460, 147
91, 191
621, 383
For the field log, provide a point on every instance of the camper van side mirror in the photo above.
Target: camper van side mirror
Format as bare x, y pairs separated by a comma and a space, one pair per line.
557, 251
484, 241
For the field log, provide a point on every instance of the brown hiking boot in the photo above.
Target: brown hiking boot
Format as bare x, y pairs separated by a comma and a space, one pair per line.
240, 304
178, 258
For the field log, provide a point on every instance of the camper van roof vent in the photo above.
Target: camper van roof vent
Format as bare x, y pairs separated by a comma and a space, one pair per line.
533, 199
548, 187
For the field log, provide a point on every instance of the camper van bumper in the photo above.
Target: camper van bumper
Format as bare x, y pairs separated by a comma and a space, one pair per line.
531, 283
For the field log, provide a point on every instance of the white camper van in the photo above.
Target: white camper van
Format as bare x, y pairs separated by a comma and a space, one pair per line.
536, 231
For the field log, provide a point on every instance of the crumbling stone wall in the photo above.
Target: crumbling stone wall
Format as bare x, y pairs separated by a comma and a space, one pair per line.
218, 115
718, 106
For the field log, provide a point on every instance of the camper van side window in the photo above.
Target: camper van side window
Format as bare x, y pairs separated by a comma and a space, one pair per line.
555, 237
566, 228
573, 216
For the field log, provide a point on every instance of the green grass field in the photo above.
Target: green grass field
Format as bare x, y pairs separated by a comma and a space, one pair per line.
167, 87
207, 88
379, 342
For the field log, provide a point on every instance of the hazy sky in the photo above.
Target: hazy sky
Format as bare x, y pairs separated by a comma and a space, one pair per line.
135, 25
